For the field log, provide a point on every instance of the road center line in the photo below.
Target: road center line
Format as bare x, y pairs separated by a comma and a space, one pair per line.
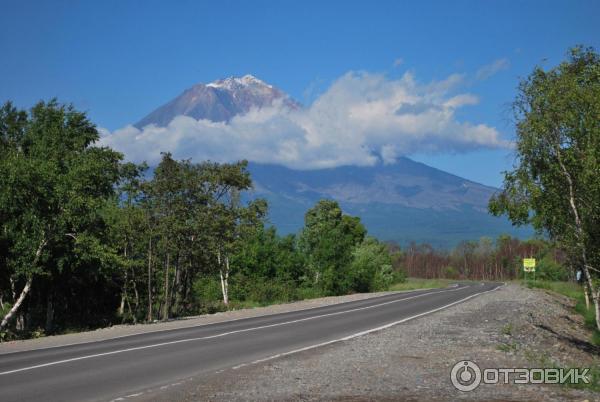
194, 326
356, 335
218, 335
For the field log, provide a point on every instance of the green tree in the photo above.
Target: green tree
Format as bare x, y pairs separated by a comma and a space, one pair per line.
126, 223
371, 267
53, 185
555, 183
267, 267
328, 239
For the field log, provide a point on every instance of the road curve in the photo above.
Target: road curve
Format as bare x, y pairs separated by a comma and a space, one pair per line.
113, 368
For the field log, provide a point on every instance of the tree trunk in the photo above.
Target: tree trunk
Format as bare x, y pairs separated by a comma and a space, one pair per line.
224, 273
17, 304
121, 311
134, 313
150, 280
12, 289
224, 287
580, 237
20, 325
166, 305
176, 287
49, 314
587, 297
597, 305
124, 289
26, 288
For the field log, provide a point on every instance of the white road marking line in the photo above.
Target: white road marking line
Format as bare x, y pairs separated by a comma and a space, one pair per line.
356, 335
217, 335
399, 292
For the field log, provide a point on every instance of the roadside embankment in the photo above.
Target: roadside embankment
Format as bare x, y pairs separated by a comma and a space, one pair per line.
513, 327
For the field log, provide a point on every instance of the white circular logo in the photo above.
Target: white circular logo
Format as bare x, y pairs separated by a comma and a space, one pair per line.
465, 375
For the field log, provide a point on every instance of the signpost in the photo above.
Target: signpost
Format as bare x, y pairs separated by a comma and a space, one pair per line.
529, 266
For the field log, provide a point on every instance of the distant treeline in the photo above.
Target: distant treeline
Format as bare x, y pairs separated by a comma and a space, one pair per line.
87, 240
485, 259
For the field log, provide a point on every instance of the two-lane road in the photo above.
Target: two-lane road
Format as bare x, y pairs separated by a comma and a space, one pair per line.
113, 368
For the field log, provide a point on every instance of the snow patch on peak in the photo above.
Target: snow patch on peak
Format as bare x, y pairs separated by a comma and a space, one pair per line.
232, 83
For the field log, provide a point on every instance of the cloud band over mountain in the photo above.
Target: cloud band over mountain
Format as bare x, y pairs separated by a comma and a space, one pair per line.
361, 119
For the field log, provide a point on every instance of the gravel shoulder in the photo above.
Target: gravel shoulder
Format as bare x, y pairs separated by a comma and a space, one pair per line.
117, 331
512, 327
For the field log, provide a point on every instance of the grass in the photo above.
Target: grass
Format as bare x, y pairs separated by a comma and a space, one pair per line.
507, 329
507, 347
418, 283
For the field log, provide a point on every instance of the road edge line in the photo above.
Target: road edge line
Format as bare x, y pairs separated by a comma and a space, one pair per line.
211, 323
222, 334
358, 334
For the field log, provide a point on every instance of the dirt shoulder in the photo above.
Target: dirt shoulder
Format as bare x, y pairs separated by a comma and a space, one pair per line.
117, 331
512, 327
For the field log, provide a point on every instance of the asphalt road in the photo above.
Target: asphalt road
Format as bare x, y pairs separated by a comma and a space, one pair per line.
114, 368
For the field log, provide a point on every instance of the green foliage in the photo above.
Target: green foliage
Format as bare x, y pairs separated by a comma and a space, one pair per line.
206, 296
548, 269
264, 255
450, 272
371, 267
555, 184
507, 329
263, 291
53, 184
327, 240
419, 283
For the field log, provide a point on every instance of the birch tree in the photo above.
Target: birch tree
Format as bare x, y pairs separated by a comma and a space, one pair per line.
555, 185
53, 183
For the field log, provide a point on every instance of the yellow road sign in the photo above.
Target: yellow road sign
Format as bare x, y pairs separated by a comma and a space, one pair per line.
529, 264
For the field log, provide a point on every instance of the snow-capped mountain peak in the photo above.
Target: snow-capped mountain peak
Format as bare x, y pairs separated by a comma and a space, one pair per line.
219, 100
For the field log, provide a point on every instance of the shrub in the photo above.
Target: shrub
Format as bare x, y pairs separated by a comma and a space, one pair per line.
371, 267
548, 269
207, 290
451, 273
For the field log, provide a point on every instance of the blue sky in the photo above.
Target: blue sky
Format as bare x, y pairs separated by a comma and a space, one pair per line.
119, 60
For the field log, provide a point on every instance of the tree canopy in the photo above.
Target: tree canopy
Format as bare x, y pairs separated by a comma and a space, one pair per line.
555, 185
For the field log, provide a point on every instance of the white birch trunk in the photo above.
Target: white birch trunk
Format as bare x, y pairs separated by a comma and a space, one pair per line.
224, 274
25, 290
580, 237
587, 297
17, 304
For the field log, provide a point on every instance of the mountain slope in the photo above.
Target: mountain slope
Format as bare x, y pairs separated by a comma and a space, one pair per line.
406, 201
218, 101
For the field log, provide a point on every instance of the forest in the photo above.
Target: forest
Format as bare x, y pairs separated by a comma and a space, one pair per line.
88, 240
487, 260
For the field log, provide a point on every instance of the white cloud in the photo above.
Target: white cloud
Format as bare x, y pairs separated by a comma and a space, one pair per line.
488, 70
361, 119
